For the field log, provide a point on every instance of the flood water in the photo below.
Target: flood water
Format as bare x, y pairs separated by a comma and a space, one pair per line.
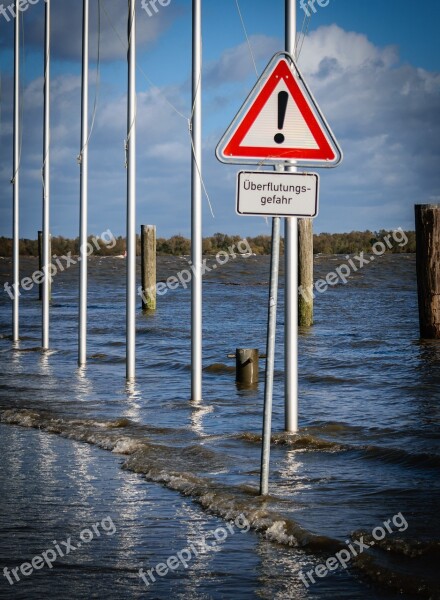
157, 472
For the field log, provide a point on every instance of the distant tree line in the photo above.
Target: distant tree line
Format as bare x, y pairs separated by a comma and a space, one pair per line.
177, 245
356, 241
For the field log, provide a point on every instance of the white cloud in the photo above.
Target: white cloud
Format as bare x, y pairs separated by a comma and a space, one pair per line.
385, 115
344, 50
111, 22
235, 64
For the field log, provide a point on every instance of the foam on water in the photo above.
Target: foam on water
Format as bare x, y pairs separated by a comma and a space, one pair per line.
368, 444
158, 464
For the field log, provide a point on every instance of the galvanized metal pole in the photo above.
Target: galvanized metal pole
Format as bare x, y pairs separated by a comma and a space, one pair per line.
270, 361
291, 276
16, 181
196, 205
84, 164
131, 196
40, 263
46, 184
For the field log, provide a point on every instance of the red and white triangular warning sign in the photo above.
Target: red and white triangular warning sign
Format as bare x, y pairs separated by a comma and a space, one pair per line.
280, 122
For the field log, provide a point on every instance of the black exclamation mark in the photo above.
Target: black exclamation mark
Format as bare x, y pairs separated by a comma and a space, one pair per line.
283, 98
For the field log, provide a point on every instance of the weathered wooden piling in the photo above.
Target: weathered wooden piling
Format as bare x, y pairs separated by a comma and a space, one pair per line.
148, 262
246, 361
305, 271
428, 268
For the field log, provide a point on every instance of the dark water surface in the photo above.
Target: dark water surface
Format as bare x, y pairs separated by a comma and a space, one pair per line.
367, 452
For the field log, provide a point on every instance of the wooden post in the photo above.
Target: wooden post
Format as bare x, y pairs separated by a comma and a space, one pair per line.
428, 268
305, 271
246, 361
148, 260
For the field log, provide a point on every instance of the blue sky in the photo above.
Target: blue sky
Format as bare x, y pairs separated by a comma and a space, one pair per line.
373, 66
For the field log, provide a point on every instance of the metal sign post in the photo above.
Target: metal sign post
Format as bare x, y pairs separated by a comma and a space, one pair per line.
270, 361
84, 164
46, 183
196, 206
291, 323
291, 274
274, 193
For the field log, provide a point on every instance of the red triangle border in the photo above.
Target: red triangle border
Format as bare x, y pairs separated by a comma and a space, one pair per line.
234, 149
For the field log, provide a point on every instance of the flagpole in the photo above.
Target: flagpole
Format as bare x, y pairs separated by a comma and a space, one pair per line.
131, 197
46, 184
196, 206
84, 164
16, 182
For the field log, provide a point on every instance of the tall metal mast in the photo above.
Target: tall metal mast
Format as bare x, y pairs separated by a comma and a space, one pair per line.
84, 164
16, 181
131, 196
196, 205
46, 182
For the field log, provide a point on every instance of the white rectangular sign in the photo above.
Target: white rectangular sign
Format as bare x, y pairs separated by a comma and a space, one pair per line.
281, 194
